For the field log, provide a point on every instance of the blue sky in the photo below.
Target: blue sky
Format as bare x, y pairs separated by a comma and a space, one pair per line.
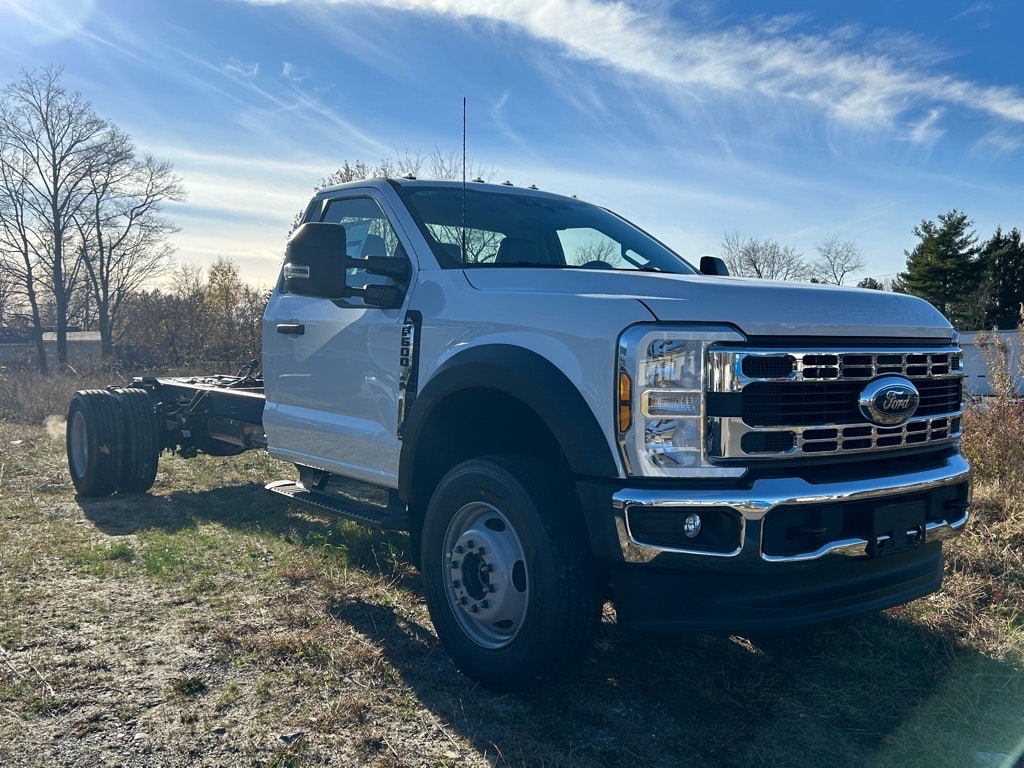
789, 120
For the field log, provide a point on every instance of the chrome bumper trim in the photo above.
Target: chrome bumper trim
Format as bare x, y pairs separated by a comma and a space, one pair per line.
766, 495
934, 531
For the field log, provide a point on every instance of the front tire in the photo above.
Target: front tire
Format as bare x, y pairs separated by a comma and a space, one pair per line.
511, 586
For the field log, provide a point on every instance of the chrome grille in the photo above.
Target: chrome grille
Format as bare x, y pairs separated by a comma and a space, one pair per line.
767, 403
827, 366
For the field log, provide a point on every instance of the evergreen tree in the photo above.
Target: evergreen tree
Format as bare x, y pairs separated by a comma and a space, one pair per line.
943, 268
1002, 260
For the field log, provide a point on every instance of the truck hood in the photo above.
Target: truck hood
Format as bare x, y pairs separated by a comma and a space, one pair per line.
755, 307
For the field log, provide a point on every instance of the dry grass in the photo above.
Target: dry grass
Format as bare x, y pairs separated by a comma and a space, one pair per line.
208, 624
30, 398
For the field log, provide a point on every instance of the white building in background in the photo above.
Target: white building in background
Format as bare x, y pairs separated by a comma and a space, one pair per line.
83, 347
976, 374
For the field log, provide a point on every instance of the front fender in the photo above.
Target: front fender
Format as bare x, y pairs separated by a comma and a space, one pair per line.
527, 377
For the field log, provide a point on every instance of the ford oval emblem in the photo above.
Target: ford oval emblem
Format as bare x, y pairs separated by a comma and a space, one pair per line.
889, 401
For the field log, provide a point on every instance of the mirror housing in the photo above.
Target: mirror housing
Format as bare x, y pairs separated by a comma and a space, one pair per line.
316, 265
713, 265
314, 261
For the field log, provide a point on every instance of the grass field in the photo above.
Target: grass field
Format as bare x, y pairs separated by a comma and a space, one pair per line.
208, 623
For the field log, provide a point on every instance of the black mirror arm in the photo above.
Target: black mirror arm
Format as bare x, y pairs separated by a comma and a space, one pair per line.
385, 296
385, 266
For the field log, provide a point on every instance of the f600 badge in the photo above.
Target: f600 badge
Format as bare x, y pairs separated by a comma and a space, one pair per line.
889, 401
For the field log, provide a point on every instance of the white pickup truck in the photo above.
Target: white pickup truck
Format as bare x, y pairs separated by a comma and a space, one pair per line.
561, 410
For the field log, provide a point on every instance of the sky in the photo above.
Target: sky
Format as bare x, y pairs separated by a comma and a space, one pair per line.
794, 121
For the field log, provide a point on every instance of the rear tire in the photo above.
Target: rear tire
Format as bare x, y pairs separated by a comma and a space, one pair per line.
511, 586
93, 439
141, 441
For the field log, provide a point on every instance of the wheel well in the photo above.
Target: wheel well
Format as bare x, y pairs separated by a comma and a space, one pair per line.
476, 422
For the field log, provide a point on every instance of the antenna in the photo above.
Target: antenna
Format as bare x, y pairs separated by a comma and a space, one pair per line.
463, 180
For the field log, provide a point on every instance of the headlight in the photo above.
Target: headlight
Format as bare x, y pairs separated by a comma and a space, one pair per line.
662, 380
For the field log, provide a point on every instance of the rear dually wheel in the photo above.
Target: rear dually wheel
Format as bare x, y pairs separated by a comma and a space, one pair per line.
93, 437
141, 447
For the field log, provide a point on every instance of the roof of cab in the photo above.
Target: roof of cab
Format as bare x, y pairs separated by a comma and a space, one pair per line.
475, 184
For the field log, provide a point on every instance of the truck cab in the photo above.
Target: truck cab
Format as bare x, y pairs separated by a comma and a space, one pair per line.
560, 409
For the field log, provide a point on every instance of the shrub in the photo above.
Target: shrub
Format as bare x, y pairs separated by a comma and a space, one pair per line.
994, 428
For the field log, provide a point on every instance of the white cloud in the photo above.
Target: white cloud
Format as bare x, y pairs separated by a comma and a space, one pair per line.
926, 130
767, 58
1000, 143
294, 73
52, 20
243, 68
238, 206
983, 9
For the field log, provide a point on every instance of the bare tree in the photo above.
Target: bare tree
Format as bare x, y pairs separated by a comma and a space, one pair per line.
170, 327
593, 250
837, 260
764, 259
448, 166
443, 166
50, 142
7, 301
18, 237
123, 234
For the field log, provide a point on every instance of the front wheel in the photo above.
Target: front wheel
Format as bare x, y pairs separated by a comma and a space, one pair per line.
511, 586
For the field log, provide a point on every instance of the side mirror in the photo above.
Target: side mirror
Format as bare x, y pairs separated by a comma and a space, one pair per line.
314, 261
712, 265
315, 265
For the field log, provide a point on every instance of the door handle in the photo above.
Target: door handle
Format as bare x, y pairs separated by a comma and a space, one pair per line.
291, 329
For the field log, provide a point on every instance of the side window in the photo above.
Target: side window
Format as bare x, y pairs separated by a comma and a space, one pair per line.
368, 233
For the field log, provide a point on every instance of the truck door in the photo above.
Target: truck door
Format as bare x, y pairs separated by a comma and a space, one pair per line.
331, 368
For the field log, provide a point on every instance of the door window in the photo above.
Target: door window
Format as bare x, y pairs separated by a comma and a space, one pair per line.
368, 233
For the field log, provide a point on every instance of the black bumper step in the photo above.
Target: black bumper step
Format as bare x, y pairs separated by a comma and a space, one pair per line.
387, 518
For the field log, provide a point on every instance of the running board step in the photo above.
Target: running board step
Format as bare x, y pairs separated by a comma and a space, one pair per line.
367, 514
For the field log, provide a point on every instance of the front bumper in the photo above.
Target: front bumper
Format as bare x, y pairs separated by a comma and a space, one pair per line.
784, 552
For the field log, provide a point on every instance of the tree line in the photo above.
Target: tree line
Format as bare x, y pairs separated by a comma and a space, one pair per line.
200, 319
977, 286
766, 259
81, 228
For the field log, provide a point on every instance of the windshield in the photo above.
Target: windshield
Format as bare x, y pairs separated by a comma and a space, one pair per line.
510, 229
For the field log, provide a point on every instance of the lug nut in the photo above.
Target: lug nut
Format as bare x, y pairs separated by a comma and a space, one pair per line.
456, 584
481, 551
491, 588
474, 608
463, 600
455, 564
485, 604
471, 544
460, 549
